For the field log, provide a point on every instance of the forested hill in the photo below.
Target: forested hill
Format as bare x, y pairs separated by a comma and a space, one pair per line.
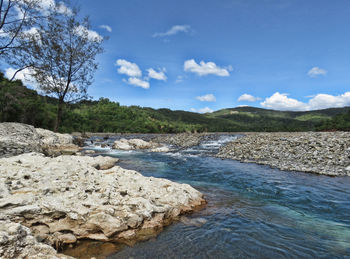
20, 104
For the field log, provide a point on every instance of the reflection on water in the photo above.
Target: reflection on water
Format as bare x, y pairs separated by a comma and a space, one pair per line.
253, 211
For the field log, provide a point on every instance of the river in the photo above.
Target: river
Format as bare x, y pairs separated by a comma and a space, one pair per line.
253, 211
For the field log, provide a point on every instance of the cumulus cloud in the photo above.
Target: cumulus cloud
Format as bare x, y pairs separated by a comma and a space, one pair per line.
134, 73
323, 101
47, 5
203, 110
24, 75
62, 8
138, 82
280, 101
89, 34
128, 68
248, 98
173, 31
158, 75
106, 27
206, 98
316, 71
203, 69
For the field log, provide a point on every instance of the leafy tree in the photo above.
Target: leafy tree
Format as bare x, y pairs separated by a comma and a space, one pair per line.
16, 16
61, 56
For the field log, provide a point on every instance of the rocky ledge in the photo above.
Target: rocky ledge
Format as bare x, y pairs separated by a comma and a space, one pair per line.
18, 138
67, 198
326, 153
136, 144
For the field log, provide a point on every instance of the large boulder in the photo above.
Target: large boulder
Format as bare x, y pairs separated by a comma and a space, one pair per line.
131, 144
67, 198
18, 138
51, 138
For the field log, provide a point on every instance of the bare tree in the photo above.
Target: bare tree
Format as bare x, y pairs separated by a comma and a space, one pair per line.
61, 56
16, 16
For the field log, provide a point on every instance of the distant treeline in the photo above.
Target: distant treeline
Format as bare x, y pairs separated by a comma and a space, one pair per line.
20, 104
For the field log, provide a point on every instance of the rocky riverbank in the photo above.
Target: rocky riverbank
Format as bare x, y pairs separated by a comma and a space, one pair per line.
56, 200
326, 153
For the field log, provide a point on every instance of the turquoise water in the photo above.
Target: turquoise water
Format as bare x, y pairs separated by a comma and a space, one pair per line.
253, 211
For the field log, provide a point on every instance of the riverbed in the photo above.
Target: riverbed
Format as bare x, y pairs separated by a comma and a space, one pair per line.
253, 211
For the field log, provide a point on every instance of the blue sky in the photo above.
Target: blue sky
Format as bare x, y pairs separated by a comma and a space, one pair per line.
279, 54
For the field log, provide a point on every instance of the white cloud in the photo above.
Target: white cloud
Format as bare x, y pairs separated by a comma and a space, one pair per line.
24, 75
206, 98
323, 101
173, 31
89, 34
128, 68
203, 110
203, 69
320, 101
282, 102
248, 98
316, 71
62, 8
33, 33
138, 82
106, 27
46, 5
158, 75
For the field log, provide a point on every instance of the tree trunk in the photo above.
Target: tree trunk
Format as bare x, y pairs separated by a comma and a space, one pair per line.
59, 114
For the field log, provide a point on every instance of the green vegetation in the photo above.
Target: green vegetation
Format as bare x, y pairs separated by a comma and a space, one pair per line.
20, 104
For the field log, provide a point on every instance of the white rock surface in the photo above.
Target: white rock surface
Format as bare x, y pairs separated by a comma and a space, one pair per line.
18, 138
67, 198
131, 144
17, 241
48, 137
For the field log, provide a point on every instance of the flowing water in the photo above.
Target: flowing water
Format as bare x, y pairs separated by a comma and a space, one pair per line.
253, 210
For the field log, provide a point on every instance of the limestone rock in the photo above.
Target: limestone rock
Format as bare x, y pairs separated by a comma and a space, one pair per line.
18, 138
131, 144
68, 198
48, 137
16, 241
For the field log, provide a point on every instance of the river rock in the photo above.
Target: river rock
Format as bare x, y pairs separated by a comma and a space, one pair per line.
67, 198
326, 153
131, 144
182, 140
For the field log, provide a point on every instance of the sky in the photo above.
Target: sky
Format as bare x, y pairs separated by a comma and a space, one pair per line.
205, 55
